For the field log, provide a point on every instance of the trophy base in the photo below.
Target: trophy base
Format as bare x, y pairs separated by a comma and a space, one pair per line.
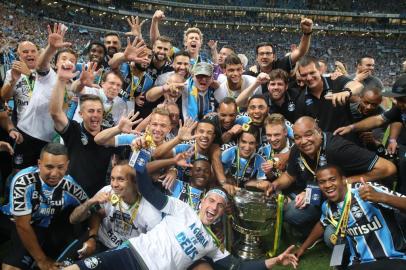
249, 248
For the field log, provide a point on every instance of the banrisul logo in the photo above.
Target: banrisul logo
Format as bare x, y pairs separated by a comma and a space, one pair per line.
372, 226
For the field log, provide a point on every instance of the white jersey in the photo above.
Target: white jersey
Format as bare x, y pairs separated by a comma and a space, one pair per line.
113, 110
115, 228
177, 241
223, 91
21, 92
36, 119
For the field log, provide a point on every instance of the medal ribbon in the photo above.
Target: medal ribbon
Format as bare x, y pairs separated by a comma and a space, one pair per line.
215, 238
307, 165
134, 86
278, 226
30, 85
238, 167
341, 225
134, 212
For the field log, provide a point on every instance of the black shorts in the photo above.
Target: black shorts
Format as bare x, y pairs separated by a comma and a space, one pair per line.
121, 259
27, 153
18, 256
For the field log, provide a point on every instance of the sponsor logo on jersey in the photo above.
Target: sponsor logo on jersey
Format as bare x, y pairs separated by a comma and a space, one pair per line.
365, 229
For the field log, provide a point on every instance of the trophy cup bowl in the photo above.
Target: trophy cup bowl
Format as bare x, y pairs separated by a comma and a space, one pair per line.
255, 215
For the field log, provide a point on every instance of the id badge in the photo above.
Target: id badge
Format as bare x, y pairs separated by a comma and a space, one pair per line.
337, 255
139, 159
313, 195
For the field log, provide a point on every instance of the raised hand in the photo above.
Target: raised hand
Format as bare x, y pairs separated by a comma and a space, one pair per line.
55, 36
19, 68
181, 159
185, 130
135, 26
158, 15
340, 98
368, 193
136, 51
212, 44
67, 71
88, 74
306, 25
126, 124
262, 78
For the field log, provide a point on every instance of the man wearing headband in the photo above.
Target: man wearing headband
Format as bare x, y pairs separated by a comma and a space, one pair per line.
181, 238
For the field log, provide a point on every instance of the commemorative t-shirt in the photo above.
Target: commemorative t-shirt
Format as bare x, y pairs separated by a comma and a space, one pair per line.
116, 226
224, 91
179, 239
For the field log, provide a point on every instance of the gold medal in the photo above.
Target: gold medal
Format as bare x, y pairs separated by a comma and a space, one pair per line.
270, 162
114, 199
333, 239
245, 127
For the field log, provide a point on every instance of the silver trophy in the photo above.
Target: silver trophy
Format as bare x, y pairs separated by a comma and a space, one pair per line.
254, 217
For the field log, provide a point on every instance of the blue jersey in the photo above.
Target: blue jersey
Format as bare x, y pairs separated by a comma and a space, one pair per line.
186, 193
242, 170
372, 231
134, 85
184, 174
29, 195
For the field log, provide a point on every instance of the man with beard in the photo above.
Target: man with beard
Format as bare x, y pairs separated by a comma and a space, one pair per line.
237, 83
160, 63
266, 55
20, 79
281, 99
365, 73
112, 43
313, 149
180, 66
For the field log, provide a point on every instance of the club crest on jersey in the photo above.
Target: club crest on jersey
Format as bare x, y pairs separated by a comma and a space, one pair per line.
91, 262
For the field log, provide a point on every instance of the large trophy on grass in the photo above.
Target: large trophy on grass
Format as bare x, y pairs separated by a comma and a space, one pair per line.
255, 217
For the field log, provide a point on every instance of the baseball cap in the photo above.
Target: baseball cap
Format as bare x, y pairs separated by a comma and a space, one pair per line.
398, 88
203, 69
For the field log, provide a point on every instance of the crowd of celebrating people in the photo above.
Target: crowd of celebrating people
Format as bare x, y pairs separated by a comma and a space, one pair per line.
128, 152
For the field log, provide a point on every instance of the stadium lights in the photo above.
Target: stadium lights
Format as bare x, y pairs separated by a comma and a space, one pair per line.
238, 26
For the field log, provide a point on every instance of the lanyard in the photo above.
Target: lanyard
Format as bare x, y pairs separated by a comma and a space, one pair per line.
134, 212
215, 238
106, 112
342, 224
30, 85
190, 199
238, 167
135, 85
307, 165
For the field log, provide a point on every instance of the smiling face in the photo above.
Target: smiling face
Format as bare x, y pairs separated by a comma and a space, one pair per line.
310, 75
112, 86
277, 136
227, 114
161, 50
212, 207
206, 134
96, 53
65, 59
200, 174
331, 184
52, 168
257, 110
28, 53
247, 145
159, 125
112, 44
181, 65
307, 137
121, 182
277, 89
234, 73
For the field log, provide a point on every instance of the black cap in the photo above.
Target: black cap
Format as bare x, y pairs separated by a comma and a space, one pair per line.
398, 88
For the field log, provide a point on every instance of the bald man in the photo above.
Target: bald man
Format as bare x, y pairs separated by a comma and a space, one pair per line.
314, 148
20, 79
